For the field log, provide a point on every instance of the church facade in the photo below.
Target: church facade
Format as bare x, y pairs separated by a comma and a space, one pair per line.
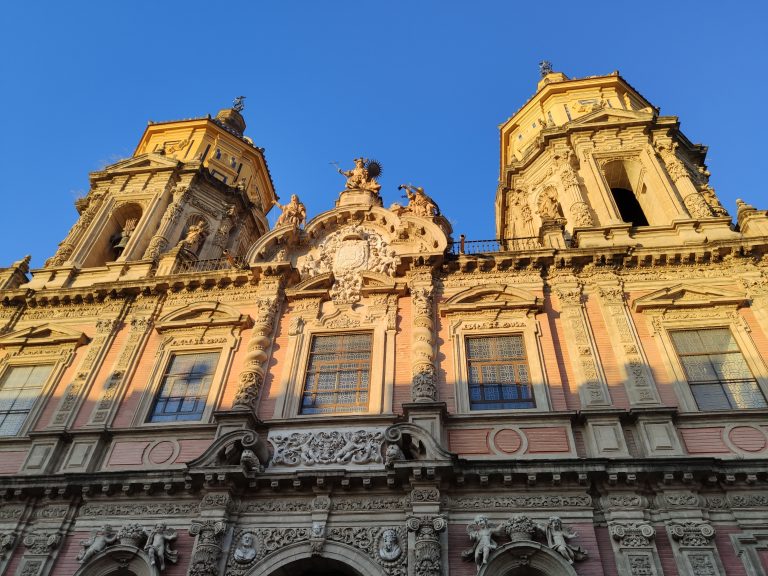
186, 391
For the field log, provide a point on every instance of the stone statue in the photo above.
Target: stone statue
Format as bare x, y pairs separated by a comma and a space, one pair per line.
389, 546
294, 213
418, 202
482, 533
557, 540
98, 542
158, 546
246, 549
548, 205
359, 179
194, 238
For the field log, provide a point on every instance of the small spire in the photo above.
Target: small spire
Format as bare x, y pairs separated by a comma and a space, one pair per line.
237, 104
545, 67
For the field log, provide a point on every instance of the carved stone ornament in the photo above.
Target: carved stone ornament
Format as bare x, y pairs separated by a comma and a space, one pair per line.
347, 253
427, 550
327, 447
294, 214
519, 528
632, 534
359, 177
694, 534
392, 454
158, 546
582, 217
697, 206
245, 548
205, 556
42, 542
702, 565
132, 535
389, 545
7, 541
558, 537
482, 535
99, 540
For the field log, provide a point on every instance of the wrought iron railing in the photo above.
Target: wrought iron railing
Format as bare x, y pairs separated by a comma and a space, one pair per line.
223, 263
463, 246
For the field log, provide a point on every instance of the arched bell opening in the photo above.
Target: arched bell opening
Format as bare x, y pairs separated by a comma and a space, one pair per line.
115, 236
625, 180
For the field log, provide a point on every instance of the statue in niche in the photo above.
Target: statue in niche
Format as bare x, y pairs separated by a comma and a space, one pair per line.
194, 238
246, 549
120, 240
557, 540
389, 546
362, 176
158, 546
482, 534
418, 202
98, 542
294, 213
548, 206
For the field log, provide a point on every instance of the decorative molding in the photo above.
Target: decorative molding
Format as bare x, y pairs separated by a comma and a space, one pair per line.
350, 447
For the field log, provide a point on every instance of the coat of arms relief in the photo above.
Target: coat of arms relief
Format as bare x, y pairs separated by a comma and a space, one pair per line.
348, 253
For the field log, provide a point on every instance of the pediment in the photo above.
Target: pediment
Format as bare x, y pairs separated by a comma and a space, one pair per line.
491, 297
608, 115
202, 314
143, 162
241, 450
44, 335
690, 296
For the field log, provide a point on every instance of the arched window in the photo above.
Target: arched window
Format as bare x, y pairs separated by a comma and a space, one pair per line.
624, 178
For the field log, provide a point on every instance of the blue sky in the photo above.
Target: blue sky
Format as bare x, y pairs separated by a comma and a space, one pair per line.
419, 85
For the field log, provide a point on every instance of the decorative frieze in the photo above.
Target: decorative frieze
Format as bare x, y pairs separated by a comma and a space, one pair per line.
323, 447
542, 501
131, 509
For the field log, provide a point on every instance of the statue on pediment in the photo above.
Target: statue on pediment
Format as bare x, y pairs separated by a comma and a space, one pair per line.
294, 213
418, 202
363, 175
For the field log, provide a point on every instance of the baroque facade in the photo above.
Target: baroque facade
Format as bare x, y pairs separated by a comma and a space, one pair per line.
186, 391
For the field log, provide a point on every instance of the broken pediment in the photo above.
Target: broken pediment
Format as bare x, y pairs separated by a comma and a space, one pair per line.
203, 314
690, 296
491, 297
44, 335
241, 450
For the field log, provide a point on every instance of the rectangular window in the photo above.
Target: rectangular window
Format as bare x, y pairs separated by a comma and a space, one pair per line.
716, 370
21, 387
338, 374
184, 388
498, 373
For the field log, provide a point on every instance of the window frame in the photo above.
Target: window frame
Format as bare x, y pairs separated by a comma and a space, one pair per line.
163, 376
307, 360
525, 327
744, 343
46, 390
498, 361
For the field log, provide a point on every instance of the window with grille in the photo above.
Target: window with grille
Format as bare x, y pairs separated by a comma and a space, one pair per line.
184, 388
716, 370
498, 373
21, 387
338, 374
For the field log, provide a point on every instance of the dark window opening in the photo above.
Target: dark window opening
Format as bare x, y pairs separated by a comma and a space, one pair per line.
629, 207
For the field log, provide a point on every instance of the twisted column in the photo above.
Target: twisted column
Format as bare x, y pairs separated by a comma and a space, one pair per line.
424, 384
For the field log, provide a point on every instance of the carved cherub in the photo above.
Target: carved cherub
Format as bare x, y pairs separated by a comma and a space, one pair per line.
294, 213
482, 533
98, 542
158, 546
557, 540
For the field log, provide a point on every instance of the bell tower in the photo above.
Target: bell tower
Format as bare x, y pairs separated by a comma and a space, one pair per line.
195, 190
590, 162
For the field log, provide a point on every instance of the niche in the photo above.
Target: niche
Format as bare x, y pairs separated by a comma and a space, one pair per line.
194, 234
114, 237
624, 179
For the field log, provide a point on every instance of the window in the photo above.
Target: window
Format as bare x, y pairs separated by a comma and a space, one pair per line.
21, 387
338, 374
716, 370
498, 373
184, 388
